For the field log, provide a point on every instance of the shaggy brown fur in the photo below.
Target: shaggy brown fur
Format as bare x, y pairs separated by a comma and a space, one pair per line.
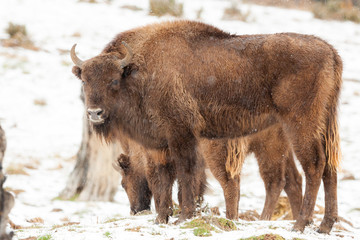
178, 81
225, 159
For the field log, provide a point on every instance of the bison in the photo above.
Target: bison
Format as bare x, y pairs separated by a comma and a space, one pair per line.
168, 85
142, 171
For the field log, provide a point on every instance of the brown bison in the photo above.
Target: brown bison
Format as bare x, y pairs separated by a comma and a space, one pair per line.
167, 85
141, 171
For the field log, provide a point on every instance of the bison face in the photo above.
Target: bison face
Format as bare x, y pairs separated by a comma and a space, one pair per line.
135, 185
102, 77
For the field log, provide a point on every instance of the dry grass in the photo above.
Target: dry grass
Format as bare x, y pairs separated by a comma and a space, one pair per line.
265, 237
166, 7
215, 211
88, 1
18, 37
64, 225
40, 102
337, 10
297, 4
59, 210
249, 215
132, 7
15, 191
134, 229
16, 169
342, 10
234, 13
35, 220
199, 13
282, 210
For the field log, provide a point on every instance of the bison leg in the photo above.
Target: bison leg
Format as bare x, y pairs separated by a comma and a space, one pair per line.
230, 186
331, 210
272, 171
200, 180
293, 186
216, 153
183, 152
161, 178
312, 158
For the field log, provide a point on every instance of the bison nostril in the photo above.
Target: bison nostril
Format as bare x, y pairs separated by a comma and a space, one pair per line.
97, 111
95, 114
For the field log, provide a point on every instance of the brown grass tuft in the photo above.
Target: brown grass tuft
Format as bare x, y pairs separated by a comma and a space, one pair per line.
215, 211
40, 102
234, 13
132, 7
337, 10
166, 7
18, 37
282, 210
134, 229
15, 191
249, 215
36, 220
16, 169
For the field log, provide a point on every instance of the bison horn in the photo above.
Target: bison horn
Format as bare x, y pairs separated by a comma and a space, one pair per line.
126, 60
77, 61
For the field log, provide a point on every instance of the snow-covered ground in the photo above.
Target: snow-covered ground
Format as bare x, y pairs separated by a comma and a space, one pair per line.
45, 137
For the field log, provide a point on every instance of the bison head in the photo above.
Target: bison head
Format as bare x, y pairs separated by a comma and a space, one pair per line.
102, 77
134, 183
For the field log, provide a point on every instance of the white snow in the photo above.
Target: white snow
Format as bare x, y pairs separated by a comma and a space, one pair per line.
47, 137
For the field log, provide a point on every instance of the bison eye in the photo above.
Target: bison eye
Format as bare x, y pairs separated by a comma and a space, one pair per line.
115, 83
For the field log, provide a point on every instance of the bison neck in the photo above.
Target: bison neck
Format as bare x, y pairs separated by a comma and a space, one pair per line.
137, 124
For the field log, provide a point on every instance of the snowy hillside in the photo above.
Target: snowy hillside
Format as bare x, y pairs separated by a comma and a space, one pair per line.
41, 113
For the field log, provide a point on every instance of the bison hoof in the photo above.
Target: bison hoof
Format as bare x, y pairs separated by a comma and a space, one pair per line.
323, 230
326, 226
298, 227
161, 219
301, 224
183, 218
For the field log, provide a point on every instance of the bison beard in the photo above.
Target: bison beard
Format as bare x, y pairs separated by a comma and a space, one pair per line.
293, 78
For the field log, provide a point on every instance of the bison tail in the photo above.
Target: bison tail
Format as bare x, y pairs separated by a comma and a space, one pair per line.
331, 135
236, 152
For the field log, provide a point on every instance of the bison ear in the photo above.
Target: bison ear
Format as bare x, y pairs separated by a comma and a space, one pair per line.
76, 71
124, 162
128, 70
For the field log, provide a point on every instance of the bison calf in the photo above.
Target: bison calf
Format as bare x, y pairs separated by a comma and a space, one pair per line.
146, 173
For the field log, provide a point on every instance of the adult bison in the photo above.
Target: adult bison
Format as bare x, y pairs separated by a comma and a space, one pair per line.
167, 85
